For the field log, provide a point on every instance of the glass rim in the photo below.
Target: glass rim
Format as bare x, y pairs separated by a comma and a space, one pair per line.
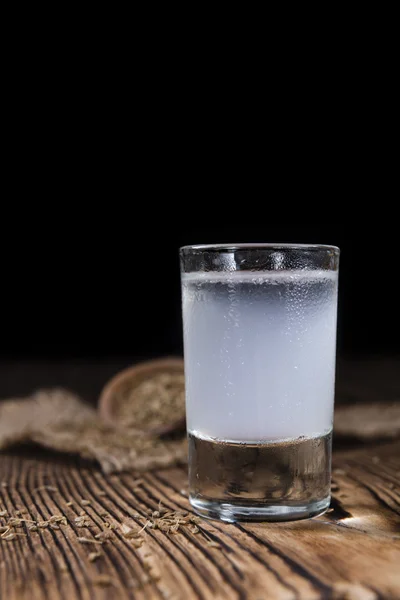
259, 246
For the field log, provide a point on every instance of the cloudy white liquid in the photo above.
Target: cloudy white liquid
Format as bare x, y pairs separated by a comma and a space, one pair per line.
259, 354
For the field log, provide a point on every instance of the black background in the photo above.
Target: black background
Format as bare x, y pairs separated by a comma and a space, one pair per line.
75, 286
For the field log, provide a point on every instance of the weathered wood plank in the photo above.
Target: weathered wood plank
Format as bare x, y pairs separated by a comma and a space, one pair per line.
353, 551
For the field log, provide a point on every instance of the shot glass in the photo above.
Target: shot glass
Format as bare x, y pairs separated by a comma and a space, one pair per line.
259, 325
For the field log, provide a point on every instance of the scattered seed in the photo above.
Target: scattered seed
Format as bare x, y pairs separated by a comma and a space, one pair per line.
183, 493
83, 513
144, 526
103, 581
13, 522
49, 488
10, 536
82, 521
70, 503
194, 529
58, 519
94, 556
85, 540
104, 535
4, 484
128, 532
169, 521
101, 493
85, 502
214, 544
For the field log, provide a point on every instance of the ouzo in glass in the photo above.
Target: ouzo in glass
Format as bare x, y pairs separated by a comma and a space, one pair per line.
259, 325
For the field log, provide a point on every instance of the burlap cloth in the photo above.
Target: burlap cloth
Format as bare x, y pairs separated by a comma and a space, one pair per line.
60, 420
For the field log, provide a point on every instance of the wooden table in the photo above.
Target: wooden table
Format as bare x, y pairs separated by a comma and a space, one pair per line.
351, 552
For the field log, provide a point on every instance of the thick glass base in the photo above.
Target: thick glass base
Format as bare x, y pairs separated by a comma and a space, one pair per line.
230, 513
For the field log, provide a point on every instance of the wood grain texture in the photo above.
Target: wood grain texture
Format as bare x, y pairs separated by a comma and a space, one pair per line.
351, 552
